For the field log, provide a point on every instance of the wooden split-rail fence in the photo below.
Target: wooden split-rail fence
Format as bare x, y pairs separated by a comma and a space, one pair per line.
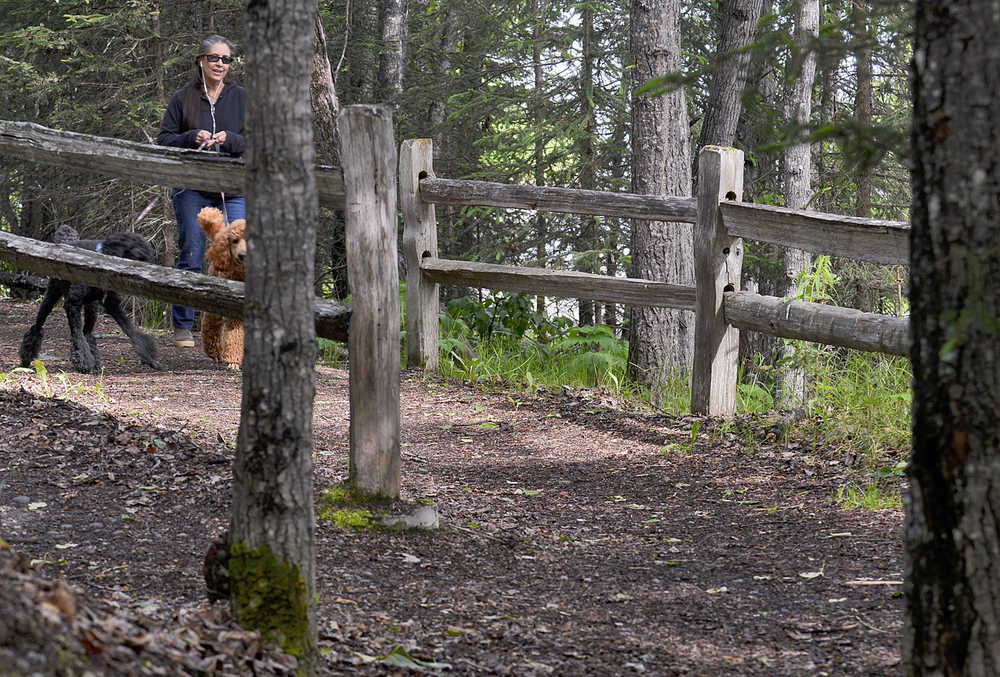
720, 221
369, 198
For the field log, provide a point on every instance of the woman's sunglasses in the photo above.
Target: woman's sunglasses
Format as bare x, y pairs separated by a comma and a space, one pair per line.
218, 57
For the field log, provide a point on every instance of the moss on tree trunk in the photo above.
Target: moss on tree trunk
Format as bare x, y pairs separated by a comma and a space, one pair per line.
271, 596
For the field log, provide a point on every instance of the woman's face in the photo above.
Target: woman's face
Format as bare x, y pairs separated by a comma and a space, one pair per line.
214, 63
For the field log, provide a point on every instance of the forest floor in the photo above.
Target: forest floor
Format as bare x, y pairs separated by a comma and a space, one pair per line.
578, 535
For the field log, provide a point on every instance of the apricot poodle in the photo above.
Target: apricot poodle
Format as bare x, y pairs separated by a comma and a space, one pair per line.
222, 337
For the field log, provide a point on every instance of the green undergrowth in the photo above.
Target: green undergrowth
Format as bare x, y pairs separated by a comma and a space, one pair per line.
871, 495
504, 342
862, 402
857, 412
61, 384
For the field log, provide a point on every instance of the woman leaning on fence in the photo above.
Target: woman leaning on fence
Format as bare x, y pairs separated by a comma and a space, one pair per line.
206, 114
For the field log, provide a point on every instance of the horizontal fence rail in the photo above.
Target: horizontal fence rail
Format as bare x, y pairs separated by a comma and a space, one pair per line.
832, 325
204, 292
559, 283
143, 163
553, 199
886, 242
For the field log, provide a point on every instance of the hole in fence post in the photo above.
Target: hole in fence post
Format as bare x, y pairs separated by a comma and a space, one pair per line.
730, 195
726, 251
422, 175
728, 288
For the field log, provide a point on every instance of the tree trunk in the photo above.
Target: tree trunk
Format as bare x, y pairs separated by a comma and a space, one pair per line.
169, 250
661, 341
541, 220
32, 209
331, 264
588, 244
449, 41
827, 69
798, 170
392, 15
325, 104
272, 557
364, 32
9, 219
863, 104
952, 529
725, 104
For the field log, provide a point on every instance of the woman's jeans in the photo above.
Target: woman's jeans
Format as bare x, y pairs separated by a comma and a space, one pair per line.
191, 238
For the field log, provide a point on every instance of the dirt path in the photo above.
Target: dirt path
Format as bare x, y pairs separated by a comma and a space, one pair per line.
577, 537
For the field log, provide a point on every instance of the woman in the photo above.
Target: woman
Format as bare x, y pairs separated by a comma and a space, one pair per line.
207, 114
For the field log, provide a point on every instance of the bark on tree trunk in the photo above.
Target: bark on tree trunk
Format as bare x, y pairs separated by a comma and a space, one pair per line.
541, 221
392, 15
272, 557
661, 341
588, 244
449, 41
863, 104
364, 64
952, 528
798, 171
326, 105
331, 266
722, 115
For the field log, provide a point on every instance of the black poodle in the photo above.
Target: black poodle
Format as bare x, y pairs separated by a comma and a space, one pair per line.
83, 299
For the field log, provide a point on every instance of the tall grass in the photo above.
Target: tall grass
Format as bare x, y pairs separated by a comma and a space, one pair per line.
862, 400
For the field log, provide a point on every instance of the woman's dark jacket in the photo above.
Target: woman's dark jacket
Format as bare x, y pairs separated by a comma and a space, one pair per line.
228, 117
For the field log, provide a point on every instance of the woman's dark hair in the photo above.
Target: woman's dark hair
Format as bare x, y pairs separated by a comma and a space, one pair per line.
193, 89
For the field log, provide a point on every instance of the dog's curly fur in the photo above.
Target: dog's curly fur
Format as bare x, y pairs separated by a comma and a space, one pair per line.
82, 300
222, 337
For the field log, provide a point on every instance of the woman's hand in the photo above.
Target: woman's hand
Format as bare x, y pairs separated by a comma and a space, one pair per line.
206, 139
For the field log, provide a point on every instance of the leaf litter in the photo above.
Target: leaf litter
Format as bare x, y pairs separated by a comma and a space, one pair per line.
567, 544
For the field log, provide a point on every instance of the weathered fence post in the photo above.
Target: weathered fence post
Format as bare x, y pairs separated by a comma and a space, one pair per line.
369, 161
419, 240
718, 261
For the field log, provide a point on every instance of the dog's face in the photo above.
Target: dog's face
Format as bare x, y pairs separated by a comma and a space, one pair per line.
236, 244
228, 252
129, 246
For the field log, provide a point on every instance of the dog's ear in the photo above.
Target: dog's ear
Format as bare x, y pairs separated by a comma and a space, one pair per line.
211, 221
